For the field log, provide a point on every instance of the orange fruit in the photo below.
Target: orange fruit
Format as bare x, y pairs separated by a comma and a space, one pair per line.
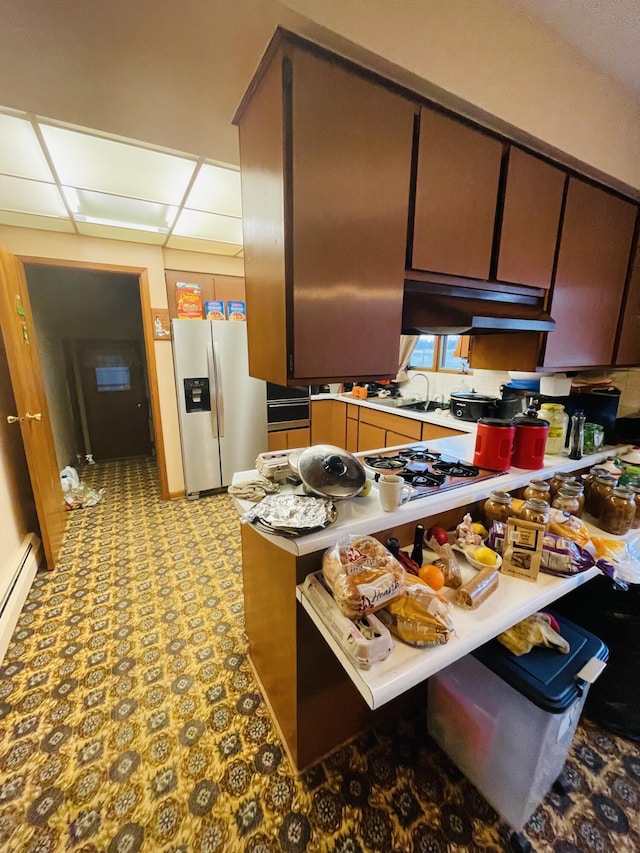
432, 575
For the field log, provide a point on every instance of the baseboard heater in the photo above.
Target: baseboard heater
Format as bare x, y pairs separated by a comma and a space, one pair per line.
15, 582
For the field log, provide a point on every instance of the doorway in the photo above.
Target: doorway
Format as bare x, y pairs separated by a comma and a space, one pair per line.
91, 339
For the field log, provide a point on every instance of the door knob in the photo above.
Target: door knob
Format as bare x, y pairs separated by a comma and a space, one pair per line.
12, 419
36, 417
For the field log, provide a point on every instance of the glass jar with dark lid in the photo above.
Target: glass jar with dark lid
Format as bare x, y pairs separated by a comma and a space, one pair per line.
600, 489
536, 510
560, 479
537, 489
566, 501
617, 511
497, 507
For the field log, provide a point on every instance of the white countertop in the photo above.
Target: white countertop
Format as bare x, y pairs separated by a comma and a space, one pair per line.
364, 515
444, 420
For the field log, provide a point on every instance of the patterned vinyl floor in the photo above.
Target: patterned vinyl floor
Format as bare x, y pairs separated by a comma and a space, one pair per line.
130, 721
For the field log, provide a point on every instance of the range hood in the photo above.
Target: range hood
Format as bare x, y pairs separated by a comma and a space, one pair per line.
445, 308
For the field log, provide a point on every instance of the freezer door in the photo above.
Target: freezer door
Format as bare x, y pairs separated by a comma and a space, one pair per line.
241, 400
194, 362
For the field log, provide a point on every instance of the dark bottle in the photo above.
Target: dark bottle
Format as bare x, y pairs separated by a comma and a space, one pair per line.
418, 541
576, 442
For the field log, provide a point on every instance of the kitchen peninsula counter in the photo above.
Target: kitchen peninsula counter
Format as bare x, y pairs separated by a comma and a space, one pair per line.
317, 697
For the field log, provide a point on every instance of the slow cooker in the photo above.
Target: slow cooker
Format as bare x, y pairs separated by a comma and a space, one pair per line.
471, 406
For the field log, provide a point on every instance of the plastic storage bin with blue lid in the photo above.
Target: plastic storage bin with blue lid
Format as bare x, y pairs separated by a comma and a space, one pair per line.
546, 677
508, 722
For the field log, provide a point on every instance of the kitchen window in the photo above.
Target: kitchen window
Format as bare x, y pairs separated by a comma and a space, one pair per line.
444, 353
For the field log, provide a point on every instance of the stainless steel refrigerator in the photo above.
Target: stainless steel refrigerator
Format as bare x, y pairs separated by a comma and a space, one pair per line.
222, 410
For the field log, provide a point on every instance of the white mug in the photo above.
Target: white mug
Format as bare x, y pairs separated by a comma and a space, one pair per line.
393, 492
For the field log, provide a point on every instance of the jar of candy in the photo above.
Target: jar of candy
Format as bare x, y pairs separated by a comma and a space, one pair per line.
560, 479
537, 489
566, 501
497, 507
536, 510
600, 489
618, 511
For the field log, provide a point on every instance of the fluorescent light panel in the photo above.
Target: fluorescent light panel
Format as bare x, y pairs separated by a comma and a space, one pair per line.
104, 209
209, 226
20, 151
109, 184
104, 165
216, 190
24, 196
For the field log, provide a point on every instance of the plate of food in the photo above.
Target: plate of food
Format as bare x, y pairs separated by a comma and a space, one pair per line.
480, 556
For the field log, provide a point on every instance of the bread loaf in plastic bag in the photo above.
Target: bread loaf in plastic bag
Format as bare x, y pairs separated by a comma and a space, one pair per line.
362, 575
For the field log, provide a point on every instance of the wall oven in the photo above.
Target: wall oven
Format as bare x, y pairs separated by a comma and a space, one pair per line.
287, 408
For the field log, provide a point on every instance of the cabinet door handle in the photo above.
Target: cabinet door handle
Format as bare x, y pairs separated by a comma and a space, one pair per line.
12, 419
36, 417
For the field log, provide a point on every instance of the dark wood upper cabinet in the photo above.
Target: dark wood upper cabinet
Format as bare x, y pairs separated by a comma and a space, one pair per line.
595, 244
530, 220
628, 352
326, 165
457, 179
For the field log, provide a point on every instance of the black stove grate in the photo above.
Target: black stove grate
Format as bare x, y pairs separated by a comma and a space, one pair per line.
456, 469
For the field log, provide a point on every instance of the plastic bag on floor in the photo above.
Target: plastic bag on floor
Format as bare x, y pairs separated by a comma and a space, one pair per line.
77, 495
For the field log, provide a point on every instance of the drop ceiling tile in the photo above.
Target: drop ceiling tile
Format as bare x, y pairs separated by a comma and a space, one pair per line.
191, 244
216, 190
119, 211
20, 151
131, 235
208, 226
91, 162
40, 223
25, 196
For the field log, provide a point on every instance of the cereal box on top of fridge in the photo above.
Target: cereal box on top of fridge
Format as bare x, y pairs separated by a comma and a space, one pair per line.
236, 310
188, 301
214, 309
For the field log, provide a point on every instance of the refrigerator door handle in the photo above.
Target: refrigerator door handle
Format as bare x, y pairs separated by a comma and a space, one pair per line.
213, 390
219, 390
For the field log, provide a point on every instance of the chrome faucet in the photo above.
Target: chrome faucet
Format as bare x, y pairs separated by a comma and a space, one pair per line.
426, 379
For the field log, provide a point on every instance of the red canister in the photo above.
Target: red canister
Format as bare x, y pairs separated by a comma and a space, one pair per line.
494, 444
530, 442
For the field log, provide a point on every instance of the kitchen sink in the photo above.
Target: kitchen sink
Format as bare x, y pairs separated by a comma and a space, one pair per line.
396, 402
412, 404
419, 406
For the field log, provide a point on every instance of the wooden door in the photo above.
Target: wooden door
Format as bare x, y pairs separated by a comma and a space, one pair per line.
32, 410
592, 266
456, 197
530, 220
113, 376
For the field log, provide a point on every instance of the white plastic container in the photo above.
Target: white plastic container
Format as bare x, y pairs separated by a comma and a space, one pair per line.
557, 385
510, 748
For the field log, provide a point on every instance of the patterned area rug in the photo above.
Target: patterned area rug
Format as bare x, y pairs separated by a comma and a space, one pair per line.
130, 721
